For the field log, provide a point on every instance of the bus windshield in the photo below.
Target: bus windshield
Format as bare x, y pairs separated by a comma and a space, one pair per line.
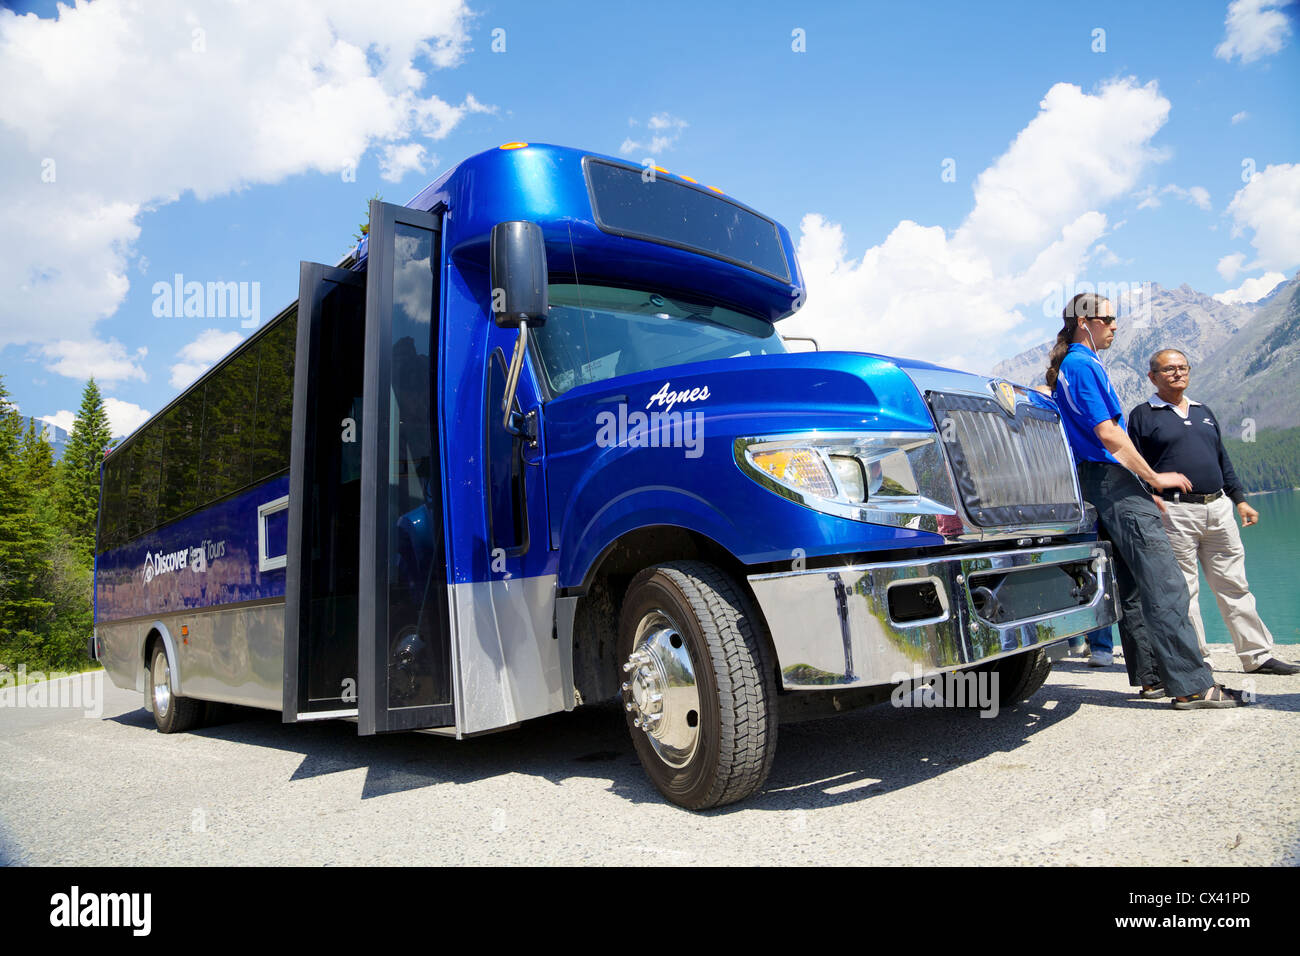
595, 332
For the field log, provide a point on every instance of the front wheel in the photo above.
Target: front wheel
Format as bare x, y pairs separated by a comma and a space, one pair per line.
699, 694
1020, 676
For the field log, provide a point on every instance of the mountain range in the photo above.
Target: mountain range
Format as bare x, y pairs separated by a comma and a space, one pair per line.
1245, 359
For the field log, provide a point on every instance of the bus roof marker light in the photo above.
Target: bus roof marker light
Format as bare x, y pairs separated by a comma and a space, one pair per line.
717, 190
512, 146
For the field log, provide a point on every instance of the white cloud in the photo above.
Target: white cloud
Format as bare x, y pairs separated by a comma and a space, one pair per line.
200, 355
1240, 117
397, 161
1230, 265
1252, 290
1255, 29
1270, 206
124, 417
1035, 224
665, 129
106, 362
210, 98
62, 419
1198, 196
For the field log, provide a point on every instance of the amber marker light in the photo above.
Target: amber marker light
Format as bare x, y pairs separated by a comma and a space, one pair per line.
512, 146
689, 180
716, 190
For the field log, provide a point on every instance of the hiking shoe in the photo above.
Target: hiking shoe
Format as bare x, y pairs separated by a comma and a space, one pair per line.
1101, 658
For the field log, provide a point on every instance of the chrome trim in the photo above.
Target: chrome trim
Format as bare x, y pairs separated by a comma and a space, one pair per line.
940, 588
964, 383
831, 627
162, 685
918, 511
660, 692
325, 714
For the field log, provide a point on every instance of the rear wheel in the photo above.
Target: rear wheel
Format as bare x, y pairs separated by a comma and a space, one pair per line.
171, 713
698, 693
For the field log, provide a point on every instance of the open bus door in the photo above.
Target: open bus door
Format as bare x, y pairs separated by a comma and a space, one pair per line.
367, 622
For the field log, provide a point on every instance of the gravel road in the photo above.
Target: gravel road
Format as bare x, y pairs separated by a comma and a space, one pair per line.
1084, 774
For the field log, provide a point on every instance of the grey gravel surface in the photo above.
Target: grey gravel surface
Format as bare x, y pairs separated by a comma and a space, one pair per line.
1084, 774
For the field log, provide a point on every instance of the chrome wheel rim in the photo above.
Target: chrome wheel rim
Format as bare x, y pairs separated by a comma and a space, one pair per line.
660, 692
162, 685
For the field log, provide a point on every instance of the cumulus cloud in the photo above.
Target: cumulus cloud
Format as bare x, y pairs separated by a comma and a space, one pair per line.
1035, 224
1230, 265
1252, 290
1269, 205
123, 417
126, 104
1255, 29
664, 130
108, 362
1240, 117
200, 355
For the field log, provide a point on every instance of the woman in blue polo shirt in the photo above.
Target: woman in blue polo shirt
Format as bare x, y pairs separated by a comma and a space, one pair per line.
1160, 646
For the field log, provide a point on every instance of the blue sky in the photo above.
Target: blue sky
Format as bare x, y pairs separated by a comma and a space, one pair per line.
214, 141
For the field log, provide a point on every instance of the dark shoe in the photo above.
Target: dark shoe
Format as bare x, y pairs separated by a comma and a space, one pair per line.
1216, 697
1153, 691
1272, 665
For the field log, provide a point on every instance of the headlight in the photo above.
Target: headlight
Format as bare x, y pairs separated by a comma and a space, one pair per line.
887, 478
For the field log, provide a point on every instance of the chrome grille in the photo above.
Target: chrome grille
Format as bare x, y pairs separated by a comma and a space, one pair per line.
1009, 471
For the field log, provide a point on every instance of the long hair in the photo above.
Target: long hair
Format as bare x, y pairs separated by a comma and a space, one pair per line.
1085, 305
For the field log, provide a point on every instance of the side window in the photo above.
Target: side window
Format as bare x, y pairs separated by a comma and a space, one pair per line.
507, 516
230, 399
273, 425
112, 514
142, 490
182, 435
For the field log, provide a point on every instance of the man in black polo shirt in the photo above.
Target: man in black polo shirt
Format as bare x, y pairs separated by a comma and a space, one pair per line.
1174, 433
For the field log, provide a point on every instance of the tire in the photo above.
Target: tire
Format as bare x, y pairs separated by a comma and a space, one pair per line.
1021, 676
700, 646
171, 713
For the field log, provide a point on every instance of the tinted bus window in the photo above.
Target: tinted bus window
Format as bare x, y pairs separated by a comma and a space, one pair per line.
112, 519
145, 453
182, 437
273, 426
230, 400
680, 215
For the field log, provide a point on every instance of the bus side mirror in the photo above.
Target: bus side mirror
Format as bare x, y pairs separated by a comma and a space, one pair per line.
518, 274
518, 294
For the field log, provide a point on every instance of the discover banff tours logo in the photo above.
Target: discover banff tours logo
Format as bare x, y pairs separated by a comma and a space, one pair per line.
660, 428
196, 559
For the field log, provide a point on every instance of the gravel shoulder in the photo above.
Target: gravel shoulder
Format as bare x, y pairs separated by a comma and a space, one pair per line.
1085, 774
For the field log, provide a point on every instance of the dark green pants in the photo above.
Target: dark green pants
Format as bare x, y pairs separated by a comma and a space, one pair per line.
1159, 641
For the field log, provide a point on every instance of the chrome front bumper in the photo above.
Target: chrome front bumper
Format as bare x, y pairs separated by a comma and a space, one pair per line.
834, 627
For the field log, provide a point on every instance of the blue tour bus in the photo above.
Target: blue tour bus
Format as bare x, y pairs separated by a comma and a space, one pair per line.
537, 443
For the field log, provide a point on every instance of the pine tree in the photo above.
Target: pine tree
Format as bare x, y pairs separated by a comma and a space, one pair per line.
78, 483
24, 542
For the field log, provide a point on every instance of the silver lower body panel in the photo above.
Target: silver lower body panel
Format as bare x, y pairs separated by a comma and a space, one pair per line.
231, 655
833, 627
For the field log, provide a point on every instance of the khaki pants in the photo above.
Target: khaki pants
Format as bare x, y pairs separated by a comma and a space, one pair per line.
1208, 534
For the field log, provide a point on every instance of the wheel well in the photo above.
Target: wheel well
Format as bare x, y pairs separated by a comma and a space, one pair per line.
152, 640
596, 673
